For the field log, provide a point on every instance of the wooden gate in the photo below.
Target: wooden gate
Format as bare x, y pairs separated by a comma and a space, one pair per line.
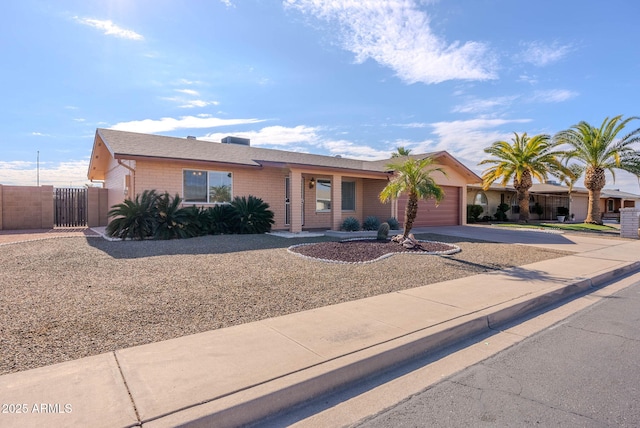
70, 207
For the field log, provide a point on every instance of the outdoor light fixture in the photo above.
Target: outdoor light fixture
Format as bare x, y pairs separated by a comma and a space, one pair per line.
312, 183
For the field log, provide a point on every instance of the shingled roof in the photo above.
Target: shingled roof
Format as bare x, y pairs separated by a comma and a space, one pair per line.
131, 145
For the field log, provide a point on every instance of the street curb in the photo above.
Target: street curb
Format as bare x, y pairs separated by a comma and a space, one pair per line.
267, 399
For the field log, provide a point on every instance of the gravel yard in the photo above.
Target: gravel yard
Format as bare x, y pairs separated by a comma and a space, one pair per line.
68, 298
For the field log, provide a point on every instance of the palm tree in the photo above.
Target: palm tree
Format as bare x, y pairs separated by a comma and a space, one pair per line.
400, 151
599, 151
414, 178
523, 160
570, 179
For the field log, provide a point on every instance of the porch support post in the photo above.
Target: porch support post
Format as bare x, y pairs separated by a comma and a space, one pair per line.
336, 202
296, 200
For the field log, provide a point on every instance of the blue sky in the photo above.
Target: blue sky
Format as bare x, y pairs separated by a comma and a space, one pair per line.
347, 77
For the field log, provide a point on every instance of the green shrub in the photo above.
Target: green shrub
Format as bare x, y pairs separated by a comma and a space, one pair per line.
219, 219
371, 223
383, 232
161, 217
473, 213
135, 219
350, 224
172, 221
537, 209
251, 215
501, 213
393, 223
563, 211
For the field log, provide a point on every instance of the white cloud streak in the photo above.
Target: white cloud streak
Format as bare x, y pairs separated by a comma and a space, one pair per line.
553, 96
188, 92
483, 105
165, 124
467, 139
302, 138
109, 28
540, 54
396, 34
273, 136
348, 149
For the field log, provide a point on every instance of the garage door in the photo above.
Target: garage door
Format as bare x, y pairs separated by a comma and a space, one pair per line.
445, 214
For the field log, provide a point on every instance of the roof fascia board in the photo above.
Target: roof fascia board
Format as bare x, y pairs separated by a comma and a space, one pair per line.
321, 168
190, 161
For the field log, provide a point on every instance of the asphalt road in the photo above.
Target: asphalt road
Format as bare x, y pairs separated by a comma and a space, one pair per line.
583, 372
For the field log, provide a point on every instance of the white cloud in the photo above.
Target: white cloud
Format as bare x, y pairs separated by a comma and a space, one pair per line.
467, 139
300, 139
553, 96
198, 103
62, 174
413, 125
347, 149
165, 124
532, 80
541, 54
396, 34
273, 136
188, 92
476, 105
109, 28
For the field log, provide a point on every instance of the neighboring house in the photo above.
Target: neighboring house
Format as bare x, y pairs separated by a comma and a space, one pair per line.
303, 190
550, 196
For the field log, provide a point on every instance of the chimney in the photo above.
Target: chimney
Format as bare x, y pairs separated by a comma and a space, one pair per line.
236, 140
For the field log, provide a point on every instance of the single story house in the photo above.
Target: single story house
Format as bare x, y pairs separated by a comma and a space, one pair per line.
305, 191
550, 196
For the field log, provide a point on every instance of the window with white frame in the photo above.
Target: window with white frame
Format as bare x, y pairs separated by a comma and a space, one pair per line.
208, 187
348, 196
323, 195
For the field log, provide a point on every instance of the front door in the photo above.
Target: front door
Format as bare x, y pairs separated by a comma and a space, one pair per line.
287, 202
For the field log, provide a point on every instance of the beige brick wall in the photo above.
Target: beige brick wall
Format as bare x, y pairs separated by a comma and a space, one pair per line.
371, 201
26, 207
267, 184
97, 206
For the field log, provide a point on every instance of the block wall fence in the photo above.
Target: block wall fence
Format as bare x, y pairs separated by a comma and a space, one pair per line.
32, 207
629, 222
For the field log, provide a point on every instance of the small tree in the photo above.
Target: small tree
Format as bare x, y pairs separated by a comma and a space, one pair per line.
414, 178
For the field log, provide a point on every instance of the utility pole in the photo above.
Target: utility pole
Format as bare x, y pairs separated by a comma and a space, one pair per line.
38, 169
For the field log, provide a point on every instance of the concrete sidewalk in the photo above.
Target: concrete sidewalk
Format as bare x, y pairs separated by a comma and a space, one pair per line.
240, 374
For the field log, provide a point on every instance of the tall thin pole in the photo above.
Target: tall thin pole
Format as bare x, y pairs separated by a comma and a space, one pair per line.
38, 168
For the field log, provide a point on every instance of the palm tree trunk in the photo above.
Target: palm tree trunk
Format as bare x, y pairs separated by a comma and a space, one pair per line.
593, 215
523, 203
410, 213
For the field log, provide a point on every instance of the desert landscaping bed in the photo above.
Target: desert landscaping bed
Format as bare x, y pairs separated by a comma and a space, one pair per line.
68, 298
